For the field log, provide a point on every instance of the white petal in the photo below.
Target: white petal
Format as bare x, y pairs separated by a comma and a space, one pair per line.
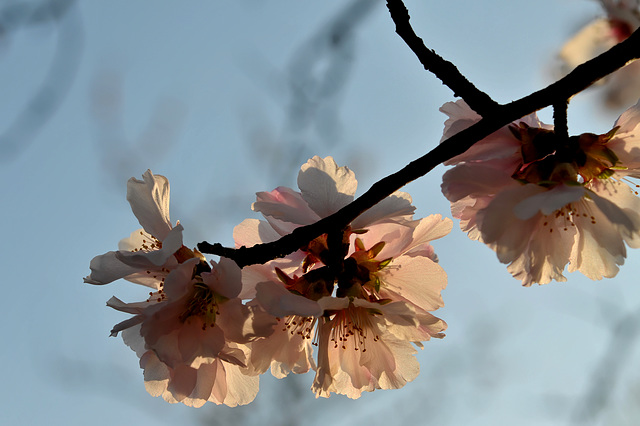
475, 180
499, 145
397, 207
548, 201
253, 231
107, 268
280, 302
417, 279
507, 234
326, 187
461, 116
142, 259
629, 121
431, 228
621, 206
599, 249
241, 389
149, 199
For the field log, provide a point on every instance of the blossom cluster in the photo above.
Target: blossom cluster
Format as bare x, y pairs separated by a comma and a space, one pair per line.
362, 296
354, 304
543, 202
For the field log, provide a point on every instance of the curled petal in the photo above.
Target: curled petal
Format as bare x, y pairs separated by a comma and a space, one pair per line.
107, 268
149, 199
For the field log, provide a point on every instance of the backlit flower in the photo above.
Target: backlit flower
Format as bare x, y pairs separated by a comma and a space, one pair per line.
543, 203
147, 256
362, 295
193, 335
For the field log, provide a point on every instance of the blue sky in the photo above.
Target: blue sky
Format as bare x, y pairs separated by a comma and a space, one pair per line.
201, 93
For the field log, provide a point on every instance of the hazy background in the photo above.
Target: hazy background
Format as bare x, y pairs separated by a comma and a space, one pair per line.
230, 98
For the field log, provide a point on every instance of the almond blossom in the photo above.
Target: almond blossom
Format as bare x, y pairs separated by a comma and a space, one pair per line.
193, 336
542, 203
622, 19
193, 333
362, 296
147, 256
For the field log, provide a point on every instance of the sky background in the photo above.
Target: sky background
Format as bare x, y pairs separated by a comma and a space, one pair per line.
230, 98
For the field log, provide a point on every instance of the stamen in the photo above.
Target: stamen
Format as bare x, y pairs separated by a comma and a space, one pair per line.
301, 326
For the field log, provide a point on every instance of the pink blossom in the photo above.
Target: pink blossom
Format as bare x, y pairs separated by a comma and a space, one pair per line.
363, 346
622, 19
383, 274
193, 333
193, 336
324, 189
559, 205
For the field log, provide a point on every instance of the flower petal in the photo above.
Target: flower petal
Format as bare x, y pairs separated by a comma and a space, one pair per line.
149, 199
326, 187
416, 279
286, 205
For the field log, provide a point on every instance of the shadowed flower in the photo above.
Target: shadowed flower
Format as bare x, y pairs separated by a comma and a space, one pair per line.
193, 337
193, 333
542, 203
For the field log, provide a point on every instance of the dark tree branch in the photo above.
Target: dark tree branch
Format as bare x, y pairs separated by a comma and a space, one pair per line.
576, 81
479, 101
560, 125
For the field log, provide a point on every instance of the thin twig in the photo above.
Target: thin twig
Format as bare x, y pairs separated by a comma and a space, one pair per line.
479, 101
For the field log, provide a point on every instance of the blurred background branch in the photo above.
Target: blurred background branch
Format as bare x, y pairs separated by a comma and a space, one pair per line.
29, 119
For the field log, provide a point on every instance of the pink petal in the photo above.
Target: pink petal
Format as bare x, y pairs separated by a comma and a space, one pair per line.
224, 279
183, 382
286, 205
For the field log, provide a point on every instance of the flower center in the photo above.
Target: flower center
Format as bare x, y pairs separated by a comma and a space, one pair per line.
569, 214
352, 324
301, 326
149, 243
203, 303
549, 161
